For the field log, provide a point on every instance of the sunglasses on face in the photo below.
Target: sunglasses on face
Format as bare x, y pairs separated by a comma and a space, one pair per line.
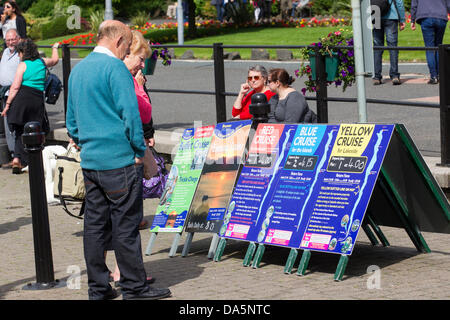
256, 78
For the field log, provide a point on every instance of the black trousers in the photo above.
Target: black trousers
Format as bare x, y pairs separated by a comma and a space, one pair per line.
114, 209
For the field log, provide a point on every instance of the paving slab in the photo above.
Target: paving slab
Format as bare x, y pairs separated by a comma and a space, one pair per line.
373, 272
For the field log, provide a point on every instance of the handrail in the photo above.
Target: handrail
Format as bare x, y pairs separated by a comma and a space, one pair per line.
321, 93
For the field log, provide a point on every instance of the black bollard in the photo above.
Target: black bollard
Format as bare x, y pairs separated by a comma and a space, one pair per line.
33, 140
259, 109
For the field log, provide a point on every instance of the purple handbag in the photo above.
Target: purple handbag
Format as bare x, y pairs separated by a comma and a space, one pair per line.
154, 187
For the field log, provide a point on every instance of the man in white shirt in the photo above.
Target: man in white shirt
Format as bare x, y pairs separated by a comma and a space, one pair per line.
8, 66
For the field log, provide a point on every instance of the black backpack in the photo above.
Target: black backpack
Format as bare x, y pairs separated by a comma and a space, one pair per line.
52, 86
384, 5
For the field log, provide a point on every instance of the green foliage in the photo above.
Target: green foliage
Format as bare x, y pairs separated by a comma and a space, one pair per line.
205, 10
140, 19
41, 8
24, 4
331, 7
56, 27
95, 19
407, 4
34, 26
60, 8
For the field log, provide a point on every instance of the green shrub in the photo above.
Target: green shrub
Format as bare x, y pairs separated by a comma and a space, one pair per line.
41, 8
57, 27
140, 19
205, 10
95, 19
24, 4
331, 7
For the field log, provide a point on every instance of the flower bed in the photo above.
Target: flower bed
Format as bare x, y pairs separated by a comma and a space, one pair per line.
167, 32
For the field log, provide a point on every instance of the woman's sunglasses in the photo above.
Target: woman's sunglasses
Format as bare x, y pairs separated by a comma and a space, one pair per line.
256, 78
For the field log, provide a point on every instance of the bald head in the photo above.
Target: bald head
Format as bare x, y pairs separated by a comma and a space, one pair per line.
112, 29
115, 36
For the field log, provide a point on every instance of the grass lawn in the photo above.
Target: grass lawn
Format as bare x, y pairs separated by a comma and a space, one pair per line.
280, 36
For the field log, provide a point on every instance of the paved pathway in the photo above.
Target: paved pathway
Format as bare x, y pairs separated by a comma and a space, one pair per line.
403, 272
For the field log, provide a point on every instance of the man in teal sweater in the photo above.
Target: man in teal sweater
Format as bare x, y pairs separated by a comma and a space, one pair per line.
103, 120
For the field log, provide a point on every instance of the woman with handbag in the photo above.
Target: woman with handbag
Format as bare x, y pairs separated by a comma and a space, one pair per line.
25, 102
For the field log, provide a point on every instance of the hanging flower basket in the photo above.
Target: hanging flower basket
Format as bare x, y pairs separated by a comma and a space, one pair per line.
331, 65
150, 65
339, 62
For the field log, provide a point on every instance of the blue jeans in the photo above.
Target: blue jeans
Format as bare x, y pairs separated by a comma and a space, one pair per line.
113, 211
220, 12
433, 30
389, 28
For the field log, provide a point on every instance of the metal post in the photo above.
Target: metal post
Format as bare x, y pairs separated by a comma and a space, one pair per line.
109, 14
180, 21
66, 73
359, 60
219, 77
321, 87
33, 140
444, 95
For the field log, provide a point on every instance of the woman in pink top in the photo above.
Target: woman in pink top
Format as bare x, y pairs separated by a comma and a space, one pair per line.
135, 62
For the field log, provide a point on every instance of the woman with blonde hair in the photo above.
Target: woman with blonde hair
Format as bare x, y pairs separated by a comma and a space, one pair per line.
135, 62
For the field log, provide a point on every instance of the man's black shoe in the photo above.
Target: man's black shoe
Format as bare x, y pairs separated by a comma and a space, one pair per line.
109, 296
151, 294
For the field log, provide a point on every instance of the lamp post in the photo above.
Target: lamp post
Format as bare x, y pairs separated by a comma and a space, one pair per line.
109, 15
359, 60
180, 22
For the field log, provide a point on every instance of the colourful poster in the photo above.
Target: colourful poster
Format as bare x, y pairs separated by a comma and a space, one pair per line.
307, 186
338, 202
218, 177
295, 152
183, 179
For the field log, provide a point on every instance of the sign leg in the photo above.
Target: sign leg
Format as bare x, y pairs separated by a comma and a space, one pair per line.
173, 249
213, 246
340, 270
370, 234
258, 256
220, 249
304, 261
187, 244
290, 261
150, 244
402, 212
378, 231
249, 254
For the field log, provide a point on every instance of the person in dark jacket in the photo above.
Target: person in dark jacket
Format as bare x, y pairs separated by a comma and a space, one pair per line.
12, 18
432, 17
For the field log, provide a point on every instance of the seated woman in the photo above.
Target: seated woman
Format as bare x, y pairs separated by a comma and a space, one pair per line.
256, 83
287, 105
25, 102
